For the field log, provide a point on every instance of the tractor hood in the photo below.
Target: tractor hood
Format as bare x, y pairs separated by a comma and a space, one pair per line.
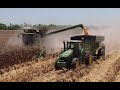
66, 53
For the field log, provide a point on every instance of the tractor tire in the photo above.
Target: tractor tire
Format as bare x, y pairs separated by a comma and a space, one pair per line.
56, 67
88, 60
75, 63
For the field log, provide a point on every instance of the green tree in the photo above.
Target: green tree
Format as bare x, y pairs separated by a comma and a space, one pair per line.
13, 27
3, 26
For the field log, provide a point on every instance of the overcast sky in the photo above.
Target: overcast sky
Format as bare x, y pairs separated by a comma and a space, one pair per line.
60, 16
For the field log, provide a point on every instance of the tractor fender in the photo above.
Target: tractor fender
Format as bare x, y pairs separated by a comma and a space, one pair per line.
97, 50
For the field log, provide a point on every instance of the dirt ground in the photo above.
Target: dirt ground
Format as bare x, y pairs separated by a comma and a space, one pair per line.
107, 70
43, 71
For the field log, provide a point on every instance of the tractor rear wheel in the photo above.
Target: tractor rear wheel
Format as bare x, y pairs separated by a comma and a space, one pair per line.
77, 64
88, 60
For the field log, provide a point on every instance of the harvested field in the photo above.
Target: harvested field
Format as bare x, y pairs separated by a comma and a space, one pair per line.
17, 65
6, 34
43, 71
10, 55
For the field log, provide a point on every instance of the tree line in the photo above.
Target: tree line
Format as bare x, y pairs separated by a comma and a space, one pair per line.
9, 27
37, 26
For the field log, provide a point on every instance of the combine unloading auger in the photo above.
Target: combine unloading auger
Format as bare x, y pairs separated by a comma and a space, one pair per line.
30, 35
85, 29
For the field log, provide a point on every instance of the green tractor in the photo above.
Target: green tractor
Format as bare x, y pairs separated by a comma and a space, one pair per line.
82, 49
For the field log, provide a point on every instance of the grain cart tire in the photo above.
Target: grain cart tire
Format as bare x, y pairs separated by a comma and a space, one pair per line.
75, 63
101, 53
88, 59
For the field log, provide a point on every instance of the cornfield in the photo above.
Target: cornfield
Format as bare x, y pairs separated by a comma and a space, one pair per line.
11, 55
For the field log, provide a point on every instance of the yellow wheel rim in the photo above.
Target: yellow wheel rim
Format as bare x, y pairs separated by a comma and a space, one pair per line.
77, 64
90, 59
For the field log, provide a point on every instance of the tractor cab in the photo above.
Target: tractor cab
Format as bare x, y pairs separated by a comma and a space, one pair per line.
73, 45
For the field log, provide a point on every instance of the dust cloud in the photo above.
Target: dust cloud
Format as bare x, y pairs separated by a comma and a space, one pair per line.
111, 34
54, 43
15, 39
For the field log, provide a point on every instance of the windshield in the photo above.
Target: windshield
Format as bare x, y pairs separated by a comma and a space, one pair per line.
72, 45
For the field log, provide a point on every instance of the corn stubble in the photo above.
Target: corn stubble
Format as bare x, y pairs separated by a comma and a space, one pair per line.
17, 65
12, 55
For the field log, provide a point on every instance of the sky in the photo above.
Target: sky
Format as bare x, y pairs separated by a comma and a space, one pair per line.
60, 16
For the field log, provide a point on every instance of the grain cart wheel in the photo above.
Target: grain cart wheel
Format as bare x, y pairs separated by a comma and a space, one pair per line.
101, 53
88, 59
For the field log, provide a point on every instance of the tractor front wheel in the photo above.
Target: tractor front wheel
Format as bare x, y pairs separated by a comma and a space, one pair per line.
56, 67
75, 63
